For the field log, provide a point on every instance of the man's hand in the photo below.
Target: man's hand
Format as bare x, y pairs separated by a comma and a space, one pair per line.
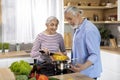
77, 67
80, 67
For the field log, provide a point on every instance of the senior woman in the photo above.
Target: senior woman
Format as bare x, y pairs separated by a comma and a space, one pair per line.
49, 41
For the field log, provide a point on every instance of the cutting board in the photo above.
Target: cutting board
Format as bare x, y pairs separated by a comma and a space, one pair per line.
68, 40
113, 43
6, 74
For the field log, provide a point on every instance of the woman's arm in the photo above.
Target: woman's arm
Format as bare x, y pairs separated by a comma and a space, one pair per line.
36, 47
62, 46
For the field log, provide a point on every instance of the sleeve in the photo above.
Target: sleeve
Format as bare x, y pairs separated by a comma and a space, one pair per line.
93, 45
62, 45
36, 47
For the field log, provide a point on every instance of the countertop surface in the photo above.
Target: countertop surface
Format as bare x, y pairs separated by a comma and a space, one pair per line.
14, 54
27, 54
111, 50
73, 76
6, 74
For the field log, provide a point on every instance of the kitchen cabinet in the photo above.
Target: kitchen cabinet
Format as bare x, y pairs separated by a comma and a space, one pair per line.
6, 62
7, 58
110, 64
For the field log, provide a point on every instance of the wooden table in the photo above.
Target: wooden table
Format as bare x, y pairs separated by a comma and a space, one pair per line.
6, 74
72, 76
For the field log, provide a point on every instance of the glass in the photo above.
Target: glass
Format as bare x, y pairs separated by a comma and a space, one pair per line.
75, 61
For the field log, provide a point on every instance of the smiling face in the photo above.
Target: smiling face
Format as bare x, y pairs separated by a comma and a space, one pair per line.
52, 26
72, 19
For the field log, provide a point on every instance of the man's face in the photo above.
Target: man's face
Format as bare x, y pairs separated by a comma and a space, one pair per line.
72, 19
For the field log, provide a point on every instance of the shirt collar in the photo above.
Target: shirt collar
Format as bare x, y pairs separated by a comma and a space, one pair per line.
81, 25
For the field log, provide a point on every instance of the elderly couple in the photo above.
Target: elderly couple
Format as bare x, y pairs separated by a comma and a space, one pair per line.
85, 48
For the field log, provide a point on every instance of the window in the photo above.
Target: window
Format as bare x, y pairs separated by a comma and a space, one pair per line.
22, 20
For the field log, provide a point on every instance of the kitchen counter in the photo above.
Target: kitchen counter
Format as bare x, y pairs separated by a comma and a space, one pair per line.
6, 74
73, 76
111, 50
26, 53
14, 54
6, 59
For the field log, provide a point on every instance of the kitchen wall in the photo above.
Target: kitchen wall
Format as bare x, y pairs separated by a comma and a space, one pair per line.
68, 34
114, 28
0, 33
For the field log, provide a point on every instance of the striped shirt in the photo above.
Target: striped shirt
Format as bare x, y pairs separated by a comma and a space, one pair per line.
54, 43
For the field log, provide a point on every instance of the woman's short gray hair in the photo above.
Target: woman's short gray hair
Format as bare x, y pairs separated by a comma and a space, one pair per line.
49, 19
73, 10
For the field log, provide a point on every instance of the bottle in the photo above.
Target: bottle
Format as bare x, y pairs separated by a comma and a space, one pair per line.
17, 47
95, 17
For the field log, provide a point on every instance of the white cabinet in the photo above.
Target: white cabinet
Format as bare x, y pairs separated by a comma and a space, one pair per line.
111, 64
3, 63
6, 62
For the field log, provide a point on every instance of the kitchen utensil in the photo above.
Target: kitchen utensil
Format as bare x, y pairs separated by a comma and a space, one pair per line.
43, 52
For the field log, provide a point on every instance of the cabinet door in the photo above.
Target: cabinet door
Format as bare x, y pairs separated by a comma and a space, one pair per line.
8, 61
110, 63
27, 59
3, 63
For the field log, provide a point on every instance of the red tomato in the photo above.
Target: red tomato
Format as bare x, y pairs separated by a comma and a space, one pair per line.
37, 76
32, 75
43, 77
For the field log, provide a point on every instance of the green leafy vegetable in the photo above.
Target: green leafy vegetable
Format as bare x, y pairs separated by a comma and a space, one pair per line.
21, 77
21, 67
51, 78
32, 78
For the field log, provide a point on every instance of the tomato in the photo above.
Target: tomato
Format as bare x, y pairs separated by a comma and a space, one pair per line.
43, 77
32, 75
37, 76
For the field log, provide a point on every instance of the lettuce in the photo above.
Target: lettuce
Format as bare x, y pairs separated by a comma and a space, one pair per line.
21, 67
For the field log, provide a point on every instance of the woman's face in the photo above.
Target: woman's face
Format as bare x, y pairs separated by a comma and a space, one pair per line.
52, 26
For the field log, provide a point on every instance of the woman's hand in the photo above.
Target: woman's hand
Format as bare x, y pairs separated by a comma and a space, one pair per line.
46, 51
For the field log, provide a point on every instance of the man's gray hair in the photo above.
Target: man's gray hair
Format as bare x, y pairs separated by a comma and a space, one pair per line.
73, 10
49, 19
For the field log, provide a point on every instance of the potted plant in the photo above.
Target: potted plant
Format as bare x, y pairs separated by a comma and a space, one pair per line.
1, 46
6, 47
105, 35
